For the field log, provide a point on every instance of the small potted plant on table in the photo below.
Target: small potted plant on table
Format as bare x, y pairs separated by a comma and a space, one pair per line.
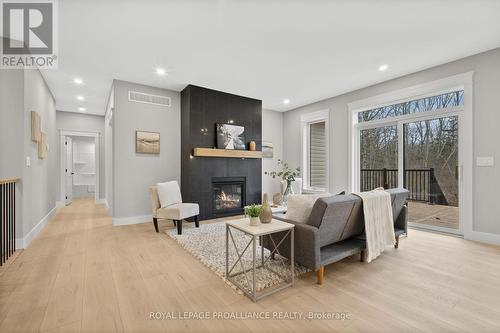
254, 212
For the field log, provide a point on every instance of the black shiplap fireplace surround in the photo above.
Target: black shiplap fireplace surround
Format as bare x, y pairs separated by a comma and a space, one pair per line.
203, 177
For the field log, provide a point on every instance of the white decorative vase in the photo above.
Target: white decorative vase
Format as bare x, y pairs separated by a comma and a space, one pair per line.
254, 221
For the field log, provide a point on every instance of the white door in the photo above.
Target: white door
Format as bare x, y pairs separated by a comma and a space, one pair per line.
68, 147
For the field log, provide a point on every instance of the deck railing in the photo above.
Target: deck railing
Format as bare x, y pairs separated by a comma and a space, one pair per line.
8, 218
421, 183
373, 178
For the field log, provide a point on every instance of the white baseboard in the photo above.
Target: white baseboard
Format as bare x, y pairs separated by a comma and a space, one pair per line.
132, 220
22, 243
483, 237
60, 204
104, 202
19, 243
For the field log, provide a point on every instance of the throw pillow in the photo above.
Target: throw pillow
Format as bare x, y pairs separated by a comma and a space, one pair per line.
299, 206
169, 193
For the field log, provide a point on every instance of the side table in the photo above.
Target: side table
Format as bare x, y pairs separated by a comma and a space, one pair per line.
255, 232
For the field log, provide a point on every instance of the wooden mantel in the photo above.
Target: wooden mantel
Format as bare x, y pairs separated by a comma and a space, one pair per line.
212, 152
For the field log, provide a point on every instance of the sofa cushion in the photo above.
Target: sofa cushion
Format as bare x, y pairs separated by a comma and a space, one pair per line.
299, 206
169, 193
178, 211
337, 218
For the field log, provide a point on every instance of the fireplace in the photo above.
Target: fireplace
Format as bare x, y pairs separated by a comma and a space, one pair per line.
228, 195
203, 108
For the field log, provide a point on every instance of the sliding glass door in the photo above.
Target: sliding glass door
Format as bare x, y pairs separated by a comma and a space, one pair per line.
415, 145
431, 171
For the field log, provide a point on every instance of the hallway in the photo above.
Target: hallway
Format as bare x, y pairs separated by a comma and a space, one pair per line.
84, 275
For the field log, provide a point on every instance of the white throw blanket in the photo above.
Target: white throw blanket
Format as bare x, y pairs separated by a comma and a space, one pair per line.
379, 227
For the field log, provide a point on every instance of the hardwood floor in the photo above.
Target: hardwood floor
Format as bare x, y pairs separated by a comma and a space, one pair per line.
83, 275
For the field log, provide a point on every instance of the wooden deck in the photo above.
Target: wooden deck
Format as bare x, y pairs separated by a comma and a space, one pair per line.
434, 215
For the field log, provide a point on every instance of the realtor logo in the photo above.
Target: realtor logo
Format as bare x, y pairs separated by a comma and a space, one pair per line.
29, 34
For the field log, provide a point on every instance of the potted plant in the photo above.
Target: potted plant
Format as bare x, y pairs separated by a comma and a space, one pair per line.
254, 212
288, 175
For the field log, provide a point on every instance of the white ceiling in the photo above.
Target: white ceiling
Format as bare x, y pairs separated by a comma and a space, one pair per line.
301, 50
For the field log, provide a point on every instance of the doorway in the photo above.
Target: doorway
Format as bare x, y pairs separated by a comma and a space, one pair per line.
79, 166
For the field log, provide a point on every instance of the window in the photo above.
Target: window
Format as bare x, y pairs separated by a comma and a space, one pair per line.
315, 151
317, 155
378, 157
431, 103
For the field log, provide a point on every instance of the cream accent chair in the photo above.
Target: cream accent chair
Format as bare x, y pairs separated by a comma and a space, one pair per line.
176, 212
296, 186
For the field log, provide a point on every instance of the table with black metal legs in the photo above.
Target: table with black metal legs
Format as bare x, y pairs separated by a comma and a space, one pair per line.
258, 232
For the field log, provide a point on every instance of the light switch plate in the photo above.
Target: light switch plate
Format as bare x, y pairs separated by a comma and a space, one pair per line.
28, 161
485, 161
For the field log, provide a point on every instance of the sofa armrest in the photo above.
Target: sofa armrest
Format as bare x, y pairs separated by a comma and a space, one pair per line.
402, 220
282, 217
155, 201
306, 240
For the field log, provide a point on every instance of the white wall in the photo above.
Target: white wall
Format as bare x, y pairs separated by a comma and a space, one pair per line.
11, 121
72, 121
12, 131
23, 91
486, 67
272, 131
38, 183
134, 173
108, 152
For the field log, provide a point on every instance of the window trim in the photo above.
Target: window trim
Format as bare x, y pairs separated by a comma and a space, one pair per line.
305, 121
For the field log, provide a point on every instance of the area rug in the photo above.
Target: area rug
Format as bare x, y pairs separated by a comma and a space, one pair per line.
208, 244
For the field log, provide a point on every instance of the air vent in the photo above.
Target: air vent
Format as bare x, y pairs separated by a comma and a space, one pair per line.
134, 96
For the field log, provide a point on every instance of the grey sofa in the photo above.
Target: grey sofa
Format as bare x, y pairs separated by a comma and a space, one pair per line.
335, 230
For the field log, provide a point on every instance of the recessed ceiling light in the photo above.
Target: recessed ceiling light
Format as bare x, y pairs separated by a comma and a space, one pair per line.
77, 80
286, 101
161, 71
81, 109
383, 67
80, 98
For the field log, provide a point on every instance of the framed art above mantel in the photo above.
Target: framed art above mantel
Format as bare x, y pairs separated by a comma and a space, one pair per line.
230, 137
